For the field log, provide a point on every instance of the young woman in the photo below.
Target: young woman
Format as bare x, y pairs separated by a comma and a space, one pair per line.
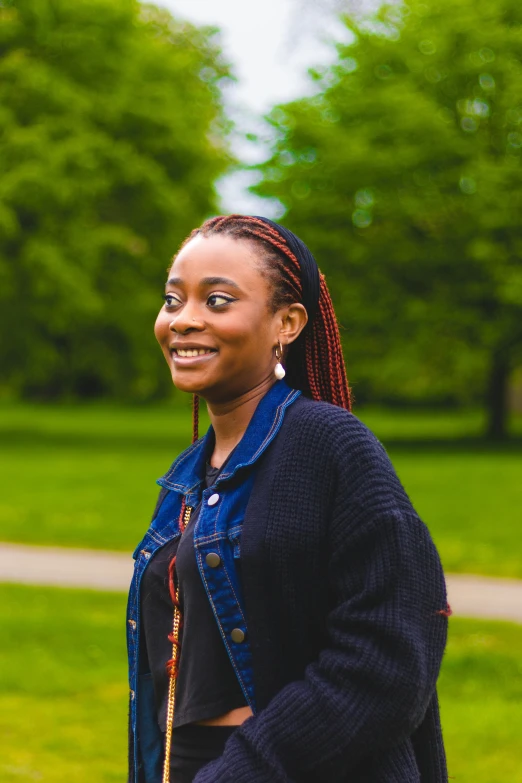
287, 616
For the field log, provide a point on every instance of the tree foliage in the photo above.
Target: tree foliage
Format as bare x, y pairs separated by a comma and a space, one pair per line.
404, 175
112, 136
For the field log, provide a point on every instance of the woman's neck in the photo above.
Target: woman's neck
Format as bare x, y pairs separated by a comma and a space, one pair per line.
231, 419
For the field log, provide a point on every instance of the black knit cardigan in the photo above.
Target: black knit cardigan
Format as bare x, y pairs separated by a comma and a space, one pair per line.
346, 612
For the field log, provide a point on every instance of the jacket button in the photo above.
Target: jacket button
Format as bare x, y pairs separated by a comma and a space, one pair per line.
237, 635
145, 553
132, 694
213, 499
132, 624
213, 559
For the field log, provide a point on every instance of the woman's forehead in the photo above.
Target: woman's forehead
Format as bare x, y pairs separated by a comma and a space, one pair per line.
215, 255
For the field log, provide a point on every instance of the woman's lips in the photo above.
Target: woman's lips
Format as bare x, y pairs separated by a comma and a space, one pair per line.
188, 357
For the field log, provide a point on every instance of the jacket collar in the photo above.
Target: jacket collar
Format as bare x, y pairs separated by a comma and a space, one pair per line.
186, 474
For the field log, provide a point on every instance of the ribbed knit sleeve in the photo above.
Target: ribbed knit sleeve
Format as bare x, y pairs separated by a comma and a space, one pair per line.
374, 680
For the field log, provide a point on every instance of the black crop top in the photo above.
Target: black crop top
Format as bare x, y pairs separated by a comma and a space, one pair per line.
207, 685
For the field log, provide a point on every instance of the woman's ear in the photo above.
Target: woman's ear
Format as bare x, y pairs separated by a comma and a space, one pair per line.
293, 320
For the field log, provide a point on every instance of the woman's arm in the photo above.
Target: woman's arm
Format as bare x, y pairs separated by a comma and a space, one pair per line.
371, 686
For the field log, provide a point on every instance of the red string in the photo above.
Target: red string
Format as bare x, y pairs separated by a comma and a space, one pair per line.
195, 418
171, 666
172, 564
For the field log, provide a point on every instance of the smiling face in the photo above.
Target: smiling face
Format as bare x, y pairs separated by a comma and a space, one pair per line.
216, 329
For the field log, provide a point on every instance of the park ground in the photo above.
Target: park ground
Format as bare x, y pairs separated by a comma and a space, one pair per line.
84, 477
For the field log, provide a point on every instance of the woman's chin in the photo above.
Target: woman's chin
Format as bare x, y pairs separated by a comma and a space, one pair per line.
189, 383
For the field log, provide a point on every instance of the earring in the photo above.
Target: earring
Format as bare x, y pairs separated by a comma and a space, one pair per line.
279, 370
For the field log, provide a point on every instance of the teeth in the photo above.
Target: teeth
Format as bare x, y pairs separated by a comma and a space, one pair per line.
192, 352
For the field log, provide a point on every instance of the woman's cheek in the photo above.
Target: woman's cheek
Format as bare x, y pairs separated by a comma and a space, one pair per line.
161, 327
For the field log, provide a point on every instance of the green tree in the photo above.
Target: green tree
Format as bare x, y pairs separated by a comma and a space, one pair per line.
113, 133
404, 175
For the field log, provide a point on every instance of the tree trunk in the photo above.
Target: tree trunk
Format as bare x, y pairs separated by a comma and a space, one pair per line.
497, 397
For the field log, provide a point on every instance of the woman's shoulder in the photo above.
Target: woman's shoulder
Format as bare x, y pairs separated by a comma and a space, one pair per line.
332, 442
317, 421
330, 438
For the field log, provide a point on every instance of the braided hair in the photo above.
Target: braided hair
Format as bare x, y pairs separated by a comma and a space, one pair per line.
314, 362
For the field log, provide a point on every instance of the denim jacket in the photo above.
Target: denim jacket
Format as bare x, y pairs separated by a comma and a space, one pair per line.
217, 531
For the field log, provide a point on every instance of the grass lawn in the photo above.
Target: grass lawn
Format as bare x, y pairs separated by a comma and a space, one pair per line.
84, 476
480, 691
467, 491
63, 693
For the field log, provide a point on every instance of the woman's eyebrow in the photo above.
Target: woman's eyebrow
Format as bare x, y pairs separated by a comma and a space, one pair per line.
206, 281
219, 281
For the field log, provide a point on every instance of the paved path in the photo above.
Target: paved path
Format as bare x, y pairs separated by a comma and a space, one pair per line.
469, 596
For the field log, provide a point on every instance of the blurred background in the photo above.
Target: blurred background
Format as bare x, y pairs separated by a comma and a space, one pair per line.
389, 137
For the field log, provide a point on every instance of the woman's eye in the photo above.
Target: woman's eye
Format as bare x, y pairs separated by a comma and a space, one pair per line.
218, 300
171, 300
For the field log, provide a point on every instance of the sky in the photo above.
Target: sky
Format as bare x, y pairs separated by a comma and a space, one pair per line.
270, 45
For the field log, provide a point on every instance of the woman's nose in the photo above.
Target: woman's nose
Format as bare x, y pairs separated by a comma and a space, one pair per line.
185, 321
